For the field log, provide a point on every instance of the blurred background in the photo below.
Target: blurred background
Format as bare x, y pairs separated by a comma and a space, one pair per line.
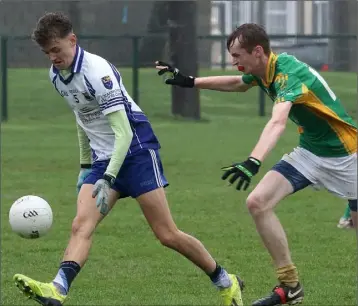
189, 34
200, 131
145, 18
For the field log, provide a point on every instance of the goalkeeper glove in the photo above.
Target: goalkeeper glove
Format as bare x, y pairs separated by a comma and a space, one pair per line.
173, 76
242, 171
84, 172
101, 190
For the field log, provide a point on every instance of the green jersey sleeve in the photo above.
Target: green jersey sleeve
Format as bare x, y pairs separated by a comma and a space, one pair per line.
85, 149
249, 79
120, 125
288, 88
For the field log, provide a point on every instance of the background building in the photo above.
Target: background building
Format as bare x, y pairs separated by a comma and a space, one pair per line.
115, 18
295, 18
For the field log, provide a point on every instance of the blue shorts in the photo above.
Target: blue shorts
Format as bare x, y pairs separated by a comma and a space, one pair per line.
140, 173
296, 178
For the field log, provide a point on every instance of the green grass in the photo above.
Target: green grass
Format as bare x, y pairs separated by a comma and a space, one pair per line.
127, 266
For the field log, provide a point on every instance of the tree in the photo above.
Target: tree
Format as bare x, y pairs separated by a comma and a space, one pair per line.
184, 54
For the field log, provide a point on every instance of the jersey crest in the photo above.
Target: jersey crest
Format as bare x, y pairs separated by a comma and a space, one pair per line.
107, 82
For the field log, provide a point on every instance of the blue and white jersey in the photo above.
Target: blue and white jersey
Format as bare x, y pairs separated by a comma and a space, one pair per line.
94, 88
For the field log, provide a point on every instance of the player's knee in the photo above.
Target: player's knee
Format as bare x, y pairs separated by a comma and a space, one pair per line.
82, 227
168, 238
256, 203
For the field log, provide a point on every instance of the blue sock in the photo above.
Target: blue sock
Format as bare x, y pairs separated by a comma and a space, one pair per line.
66, 274
220, 277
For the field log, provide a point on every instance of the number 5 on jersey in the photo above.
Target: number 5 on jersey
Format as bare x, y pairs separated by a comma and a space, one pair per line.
76, 99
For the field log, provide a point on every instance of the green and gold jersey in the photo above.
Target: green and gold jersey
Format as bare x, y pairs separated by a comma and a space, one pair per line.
325, 127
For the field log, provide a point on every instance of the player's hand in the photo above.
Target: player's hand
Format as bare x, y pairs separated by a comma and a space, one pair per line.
101, 190
84, 172
242, 171
172, 75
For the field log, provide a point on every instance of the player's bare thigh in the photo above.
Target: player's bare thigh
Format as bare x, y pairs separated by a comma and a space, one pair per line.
86, 205
272, 188
155, 208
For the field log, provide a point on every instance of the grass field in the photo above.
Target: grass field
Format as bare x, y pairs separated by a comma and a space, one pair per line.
127, 265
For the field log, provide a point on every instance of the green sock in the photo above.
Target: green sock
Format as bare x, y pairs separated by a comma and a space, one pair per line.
347, 213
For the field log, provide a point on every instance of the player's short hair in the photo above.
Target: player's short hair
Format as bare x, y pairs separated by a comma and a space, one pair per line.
51, 26
250, 35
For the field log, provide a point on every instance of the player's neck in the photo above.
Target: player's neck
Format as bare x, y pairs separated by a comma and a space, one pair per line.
263, 67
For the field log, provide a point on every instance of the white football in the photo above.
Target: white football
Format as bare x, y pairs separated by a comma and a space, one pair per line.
30, 217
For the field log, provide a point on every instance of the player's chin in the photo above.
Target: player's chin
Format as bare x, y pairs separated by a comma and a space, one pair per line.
60, 66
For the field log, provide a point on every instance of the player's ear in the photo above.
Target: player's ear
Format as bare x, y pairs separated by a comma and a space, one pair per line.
258, 50
73, 39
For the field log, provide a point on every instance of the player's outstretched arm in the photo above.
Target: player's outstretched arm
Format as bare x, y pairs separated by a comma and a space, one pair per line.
222, 83
272, 131
173, 76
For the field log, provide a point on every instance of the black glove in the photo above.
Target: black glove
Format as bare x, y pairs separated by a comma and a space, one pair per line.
245, 171
174, 76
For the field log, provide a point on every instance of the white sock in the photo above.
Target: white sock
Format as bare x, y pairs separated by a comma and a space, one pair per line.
223, 280
61, 280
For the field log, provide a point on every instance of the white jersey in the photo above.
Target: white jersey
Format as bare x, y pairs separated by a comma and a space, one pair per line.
93, 89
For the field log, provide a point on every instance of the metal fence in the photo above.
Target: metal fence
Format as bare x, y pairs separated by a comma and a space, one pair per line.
135, 33
328, 52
